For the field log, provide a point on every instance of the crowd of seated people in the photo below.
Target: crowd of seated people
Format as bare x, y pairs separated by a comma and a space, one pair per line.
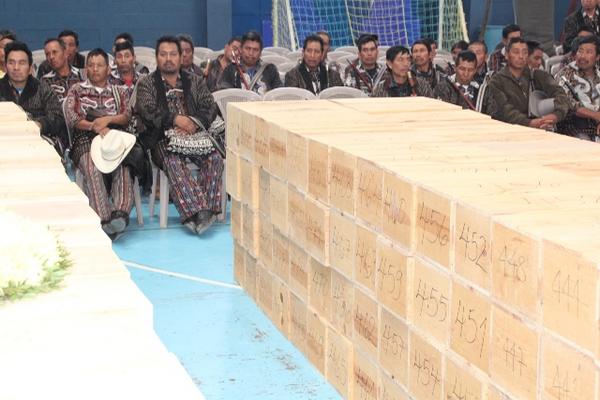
117, 118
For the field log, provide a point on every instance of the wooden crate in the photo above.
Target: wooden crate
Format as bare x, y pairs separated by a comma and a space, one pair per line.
365, 378
471, 325
431, 301
317, 230
316, 341
393, 346
366, 323
425, 369
514, 358
342, 243
278, 152
342, 180
264, 192
280, 264
279, 204
398, 210
365, 261
339, 362
248, 183
318, 177
319, 288
567, 373
299, 271
394, 277
515, 270
342, 304
570, 296
369, 191
298, 320
296, 216
433, 227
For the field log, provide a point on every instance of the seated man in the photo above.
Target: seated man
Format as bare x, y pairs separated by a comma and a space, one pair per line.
587, 16
187, 55
326, 37
581, 82
422, 65
6, 37
311, 73
479, 48
512, 85
570, 56
399, 81
37, 98
250, 73
536, 55
498, 57
214, 69
63, 76
122, 38
457, 47
71, 41
125, 73
365, 73
462, 89
92, 108
171, 99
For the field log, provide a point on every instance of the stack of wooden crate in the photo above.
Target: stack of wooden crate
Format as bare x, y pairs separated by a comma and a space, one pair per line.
411, 249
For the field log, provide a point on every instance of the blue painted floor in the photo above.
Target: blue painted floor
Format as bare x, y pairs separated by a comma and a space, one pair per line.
229, 348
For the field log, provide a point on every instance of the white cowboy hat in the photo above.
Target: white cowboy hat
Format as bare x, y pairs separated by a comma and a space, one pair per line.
107, 152
540, 104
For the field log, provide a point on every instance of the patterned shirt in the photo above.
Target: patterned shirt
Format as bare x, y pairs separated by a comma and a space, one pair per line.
359, 77
85, 99
582, 92
432, 76
61, 84
497, 60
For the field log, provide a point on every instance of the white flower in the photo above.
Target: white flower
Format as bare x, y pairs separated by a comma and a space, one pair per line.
27, 251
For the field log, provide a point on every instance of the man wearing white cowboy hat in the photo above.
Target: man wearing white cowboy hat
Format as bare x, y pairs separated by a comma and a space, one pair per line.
513, 85
92, 108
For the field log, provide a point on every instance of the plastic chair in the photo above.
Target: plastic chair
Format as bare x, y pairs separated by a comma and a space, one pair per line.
295, 56
336, 55
274, 59
38, 57
222, 97
341, 92
282, 51
552, 61
203, 53
288, 93
283, 68
347, 49
137, 197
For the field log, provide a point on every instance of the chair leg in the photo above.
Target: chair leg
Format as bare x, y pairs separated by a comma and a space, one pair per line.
152, 197
79, 178
164, 200
223, 216
137, 197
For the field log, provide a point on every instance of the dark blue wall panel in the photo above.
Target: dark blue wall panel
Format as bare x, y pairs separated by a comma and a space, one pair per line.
97, 22
249, 15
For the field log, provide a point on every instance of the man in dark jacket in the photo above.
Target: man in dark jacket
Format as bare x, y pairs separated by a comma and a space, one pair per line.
399, 81
250, 73
171, 99
37, 98
312, 74
587, 16
512, 85
71, 41
463, 90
